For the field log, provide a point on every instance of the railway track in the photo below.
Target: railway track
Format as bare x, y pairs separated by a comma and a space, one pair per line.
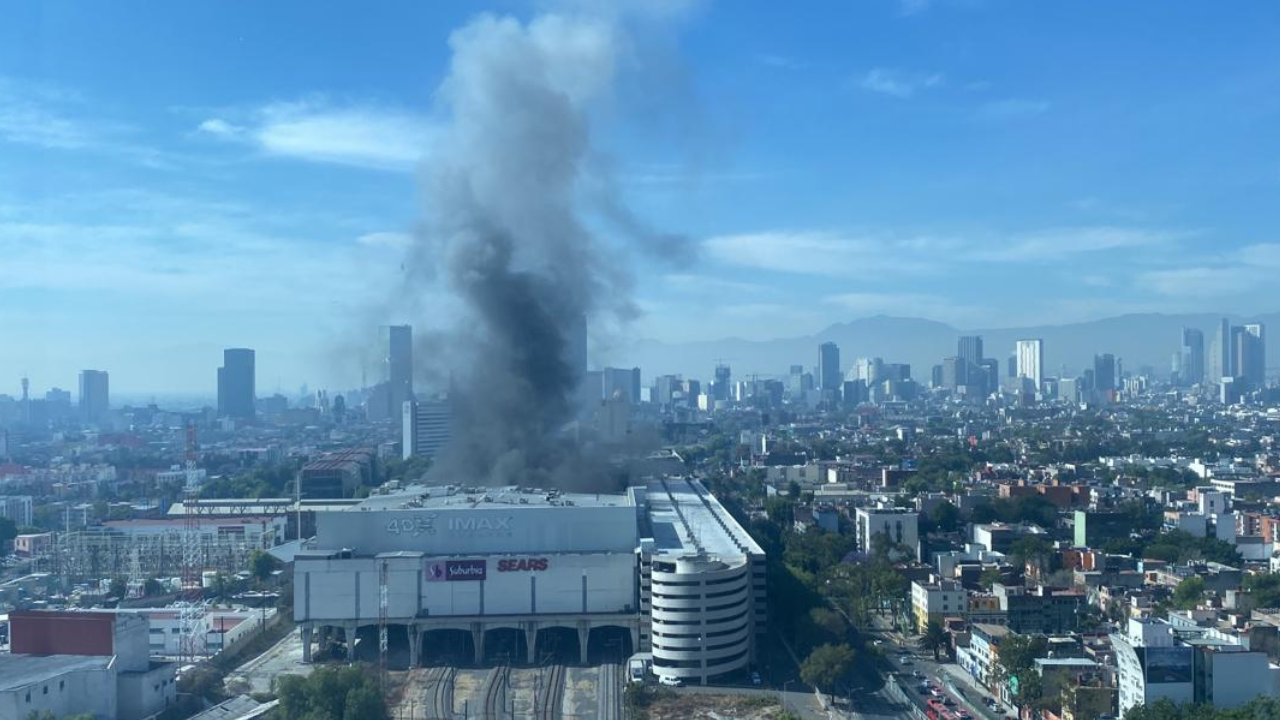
549, 702
495, 693
439, 694
610, 692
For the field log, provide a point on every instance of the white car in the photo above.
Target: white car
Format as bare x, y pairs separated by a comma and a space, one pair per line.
906, 661
670, 681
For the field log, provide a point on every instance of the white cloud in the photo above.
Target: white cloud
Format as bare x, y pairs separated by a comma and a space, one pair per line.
818, 253
1202, 282
359, 135
1056, 243
898, 83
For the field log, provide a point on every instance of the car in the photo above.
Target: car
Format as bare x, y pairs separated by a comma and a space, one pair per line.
755, 678
906, 661
670, 681
877, 642
935, 692
917, 674
963, 714
948, 701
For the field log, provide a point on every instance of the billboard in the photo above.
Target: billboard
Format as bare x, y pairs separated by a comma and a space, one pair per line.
1168, 665
453, 570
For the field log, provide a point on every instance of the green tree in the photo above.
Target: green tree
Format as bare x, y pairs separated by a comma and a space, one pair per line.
261, 565
990, 576
346, 693
946, 517
826, 666
1189, 593
8, 531
934, 638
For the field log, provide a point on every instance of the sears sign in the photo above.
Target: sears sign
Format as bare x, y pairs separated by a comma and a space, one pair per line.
450, 570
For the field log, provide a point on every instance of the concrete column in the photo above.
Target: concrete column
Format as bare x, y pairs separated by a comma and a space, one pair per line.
477, 639
531, 641
306, 643
349, 632
415, 644
584, 635
635, 639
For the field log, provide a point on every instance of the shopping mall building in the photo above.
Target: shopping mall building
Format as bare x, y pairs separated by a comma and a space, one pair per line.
467, 574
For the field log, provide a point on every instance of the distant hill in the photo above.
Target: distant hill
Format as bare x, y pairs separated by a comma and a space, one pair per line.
1138, 339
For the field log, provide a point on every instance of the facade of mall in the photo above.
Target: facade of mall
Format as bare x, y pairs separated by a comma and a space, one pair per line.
512, 574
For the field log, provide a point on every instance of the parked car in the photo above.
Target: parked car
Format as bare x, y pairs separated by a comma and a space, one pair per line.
755, 678
906, 661
670, 681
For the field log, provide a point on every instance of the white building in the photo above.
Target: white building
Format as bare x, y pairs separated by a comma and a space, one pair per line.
1030, 354
17, 508
1156, 660
900, 526
67, 663
934, 601
506, 572
426, 427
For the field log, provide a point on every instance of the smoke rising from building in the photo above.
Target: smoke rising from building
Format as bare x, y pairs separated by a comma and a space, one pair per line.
502, 235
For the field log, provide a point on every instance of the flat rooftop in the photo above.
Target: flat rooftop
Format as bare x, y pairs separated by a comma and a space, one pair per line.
685, 519
435, 497
17, 671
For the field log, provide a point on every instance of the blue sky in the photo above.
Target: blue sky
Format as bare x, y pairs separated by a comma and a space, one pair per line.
179, 178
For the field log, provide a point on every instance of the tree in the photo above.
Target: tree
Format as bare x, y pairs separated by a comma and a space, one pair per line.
261, 565
946, 518
1189, 593
347, 693
152, 586
1035, 549
934, 638
990, 576
826, 666
8, 531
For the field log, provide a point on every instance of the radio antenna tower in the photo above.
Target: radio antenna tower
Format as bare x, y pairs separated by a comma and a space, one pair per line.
134, 588
191, 613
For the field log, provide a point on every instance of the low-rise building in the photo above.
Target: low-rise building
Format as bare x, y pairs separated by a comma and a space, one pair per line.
933, 601
899, 526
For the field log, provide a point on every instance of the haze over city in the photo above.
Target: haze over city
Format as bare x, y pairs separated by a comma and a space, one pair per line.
178, 179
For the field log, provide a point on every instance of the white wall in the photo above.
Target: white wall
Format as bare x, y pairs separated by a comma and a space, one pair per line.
85, 691
348, 589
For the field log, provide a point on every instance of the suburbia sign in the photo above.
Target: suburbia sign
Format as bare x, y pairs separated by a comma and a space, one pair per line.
523, 565
451, 570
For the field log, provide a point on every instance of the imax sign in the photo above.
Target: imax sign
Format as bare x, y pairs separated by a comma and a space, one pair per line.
481, 524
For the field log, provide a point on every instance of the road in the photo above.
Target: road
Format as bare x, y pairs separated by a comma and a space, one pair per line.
951, 678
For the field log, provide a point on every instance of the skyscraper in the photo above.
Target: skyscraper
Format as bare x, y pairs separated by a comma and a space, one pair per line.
829, 376
95, 396
1250, 354
720, 389
1031, 360
970, 349
1104, 372
236, 378
396, 343
1191, 357
577, 348
1223, 364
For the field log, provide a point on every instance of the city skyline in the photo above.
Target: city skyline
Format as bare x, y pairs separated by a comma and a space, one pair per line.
236, 200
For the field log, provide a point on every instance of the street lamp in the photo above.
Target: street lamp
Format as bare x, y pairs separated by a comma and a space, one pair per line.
782, 694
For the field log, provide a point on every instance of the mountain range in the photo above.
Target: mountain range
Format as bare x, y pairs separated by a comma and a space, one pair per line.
1148, 339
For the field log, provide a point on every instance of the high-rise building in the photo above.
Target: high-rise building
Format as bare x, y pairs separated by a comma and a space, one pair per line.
1223, 364
236, 389
953, 373
969, 349
95, 396
1191, 357
427, 427
396, 344
829, 376
1104, 373
1250, 354
720, 389
1030, 355
623, 381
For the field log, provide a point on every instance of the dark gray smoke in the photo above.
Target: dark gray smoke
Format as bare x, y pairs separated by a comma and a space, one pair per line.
503, 237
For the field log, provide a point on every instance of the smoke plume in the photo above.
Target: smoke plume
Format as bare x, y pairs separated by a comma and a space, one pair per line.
503, 237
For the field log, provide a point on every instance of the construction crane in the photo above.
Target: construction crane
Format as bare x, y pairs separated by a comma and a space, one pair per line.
191, 610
